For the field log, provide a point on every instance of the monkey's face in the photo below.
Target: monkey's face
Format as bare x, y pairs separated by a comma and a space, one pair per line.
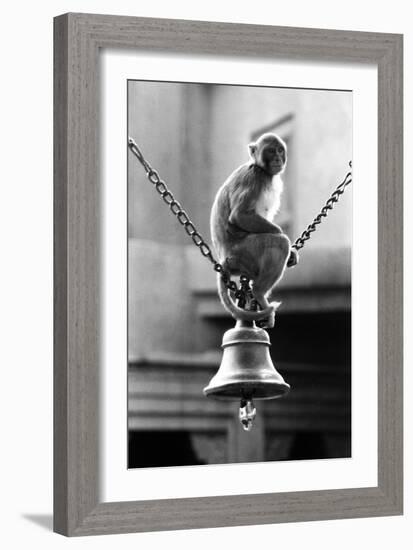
273, 157
270, 152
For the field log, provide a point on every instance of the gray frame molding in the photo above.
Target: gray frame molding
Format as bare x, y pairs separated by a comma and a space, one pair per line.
78, 38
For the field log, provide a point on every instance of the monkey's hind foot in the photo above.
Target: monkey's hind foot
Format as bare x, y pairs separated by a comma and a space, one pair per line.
269, 321
266, 323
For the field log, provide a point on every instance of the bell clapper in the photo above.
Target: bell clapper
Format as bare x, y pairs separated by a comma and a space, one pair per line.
247, 413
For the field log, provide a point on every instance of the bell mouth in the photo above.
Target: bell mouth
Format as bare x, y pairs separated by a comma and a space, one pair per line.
247, 389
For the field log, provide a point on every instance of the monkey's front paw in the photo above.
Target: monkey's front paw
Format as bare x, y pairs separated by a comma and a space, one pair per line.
293, 259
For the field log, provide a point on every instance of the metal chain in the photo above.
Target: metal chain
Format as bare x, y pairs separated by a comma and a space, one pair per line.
180, 214
329, 205
244, 292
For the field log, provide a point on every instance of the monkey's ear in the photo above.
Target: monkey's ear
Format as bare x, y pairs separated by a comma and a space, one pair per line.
252, 147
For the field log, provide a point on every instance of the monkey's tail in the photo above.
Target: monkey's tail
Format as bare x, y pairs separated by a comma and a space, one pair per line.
239, 313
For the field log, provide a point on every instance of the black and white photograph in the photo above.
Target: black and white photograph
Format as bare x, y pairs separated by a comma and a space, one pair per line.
202, 287
239, 273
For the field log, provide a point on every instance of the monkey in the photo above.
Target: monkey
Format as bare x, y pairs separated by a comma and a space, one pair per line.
245, 239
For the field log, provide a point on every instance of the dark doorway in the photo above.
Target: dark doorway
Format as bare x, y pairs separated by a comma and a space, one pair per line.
148, 449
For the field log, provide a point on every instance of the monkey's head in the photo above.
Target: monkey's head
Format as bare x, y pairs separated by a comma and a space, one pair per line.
270, 153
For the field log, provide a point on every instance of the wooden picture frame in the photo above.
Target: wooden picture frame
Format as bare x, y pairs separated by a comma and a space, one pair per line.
78, 39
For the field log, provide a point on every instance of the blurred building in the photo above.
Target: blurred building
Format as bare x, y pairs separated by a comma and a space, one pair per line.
195, 135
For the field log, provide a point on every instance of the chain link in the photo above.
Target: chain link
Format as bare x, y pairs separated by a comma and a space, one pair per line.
244, 292
180, 215
329, 205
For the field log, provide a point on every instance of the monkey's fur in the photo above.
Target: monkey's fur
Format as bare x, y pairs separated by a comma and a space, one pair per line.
244, 237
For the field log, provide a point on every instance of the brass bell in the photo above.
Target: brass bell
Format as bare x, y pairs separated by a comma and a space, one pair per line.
246, 371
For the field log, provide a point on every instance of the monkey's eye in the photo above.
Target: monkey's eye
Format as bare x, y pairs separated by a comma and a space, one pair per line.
280, 149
